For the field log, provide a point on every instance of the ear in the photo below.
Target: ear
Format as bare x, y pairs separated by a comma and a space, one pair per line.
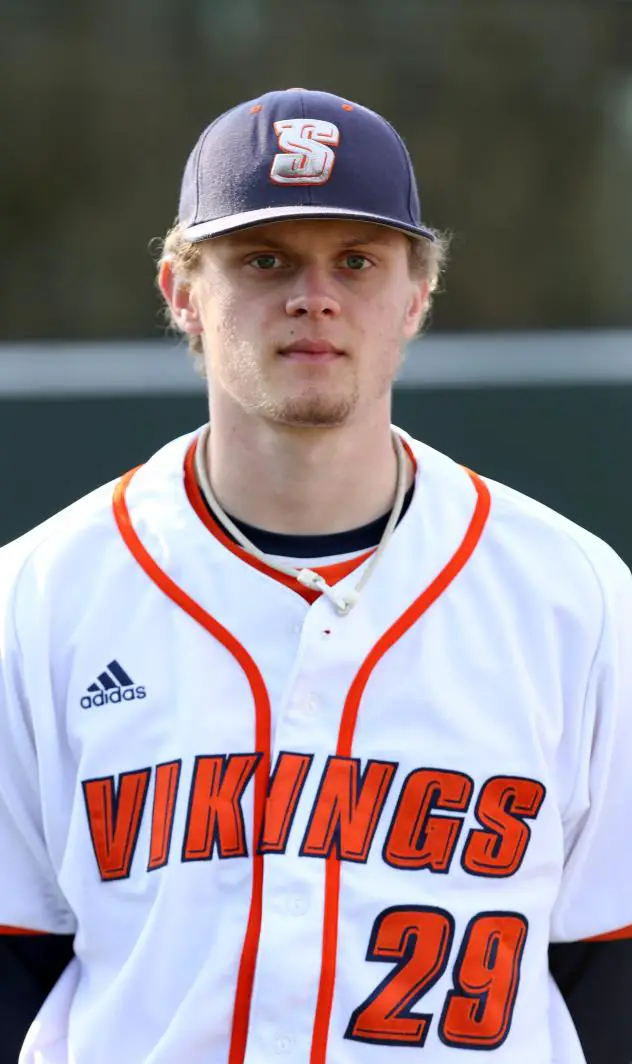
416, 309
177, 293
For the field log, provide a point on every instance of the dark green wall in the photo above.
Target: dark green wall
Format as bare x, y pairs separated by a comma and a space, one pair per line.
565, 446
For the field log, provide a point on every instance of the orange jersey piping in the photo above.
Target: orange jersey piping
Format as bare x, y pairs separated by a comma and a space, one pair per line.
4, 930
345, 740
611, 936
245, 978
331, 573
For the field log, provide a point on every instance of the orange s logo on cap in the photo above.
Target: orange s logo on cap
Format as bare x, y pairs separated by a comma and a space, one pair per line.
306, 156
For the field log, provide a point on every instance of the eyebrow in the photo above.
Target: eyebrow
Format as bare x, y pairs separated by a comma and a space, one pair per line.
377, 237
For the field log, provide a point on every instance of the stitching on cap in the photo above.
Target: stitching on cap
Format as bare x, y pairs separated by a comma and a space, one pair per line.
197, 168
408, 168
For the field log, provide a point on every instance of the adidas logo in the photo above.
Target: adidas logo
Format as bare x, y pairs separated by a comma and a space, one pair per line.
112, 685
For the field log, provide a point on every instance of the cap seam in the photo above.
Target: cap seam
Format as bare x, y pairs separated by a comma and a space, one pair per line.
201, 144
407, 161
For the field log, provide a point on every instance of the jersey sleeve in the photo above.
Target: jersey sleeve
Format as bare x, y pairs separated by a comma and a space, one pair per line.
30, 898
595, 895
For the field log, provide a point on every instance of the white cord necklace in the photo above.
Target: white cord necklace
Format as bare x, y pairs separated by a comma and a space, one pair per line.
307, 577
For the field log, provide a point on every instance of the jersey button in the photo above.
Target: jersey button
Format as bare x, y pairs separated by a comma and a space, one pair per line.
302, 706
297, 905
284, 1044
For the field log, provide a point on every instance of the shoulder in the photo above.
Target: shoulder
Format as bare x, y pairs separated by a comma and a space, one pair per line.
527, 543
553, 540
80, 546
33, 558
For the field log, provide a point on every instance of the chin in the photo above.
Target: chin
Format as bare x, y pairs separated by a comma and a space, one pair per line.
312, 412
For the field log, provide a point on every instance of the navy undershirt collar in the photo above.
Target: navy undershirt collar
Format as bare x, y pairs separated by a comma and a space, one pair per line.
325, 546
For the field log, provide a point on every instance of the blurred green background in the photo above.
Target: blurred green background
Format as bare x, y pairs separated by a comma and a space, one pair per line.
518, 116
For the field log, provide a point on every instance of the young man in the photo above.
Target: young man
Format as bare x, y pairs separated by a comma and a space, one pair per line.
313, 740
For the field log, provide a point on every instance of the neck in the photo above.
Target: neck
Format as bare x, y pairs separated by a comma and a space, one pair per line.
302, 481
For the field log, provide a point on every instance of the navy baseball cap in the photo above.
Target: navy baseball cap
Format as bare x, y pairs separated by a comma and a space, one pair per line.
298, 154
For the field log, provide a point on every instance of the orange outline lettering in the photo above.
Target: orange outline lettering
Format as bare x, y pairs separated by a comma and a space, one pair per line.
215, 817
347, 808
165, 794
418, 839
502, 804
284, 792
114, 818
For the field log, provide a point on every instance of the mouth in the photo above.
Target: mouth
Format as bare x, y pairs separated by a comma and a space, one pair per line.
304, 350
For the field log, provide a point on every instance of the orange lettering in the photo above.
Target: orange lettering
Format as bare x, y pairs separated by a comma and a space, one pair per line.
286, 785
347, 809
416, 838
165, 793
502, 804
215, 816
114, 819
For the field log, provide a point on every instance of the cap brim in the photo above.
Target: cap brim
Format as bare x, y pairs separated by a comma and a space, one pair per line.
248, 219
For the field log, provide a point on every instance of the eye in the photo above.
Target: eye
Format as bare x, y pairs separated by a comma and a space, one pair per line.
355, 261
265, 261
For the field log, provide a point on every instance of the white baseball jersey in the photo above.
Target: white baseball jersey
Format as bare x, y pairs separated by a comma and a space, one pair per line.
279, 833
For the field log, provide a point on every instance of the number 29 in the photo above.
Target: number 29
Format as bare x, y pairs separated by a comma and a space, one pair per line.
477, 1012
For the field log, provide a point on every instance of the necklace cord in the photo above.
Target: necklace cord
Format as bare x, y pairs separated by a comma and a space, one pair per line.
342, 603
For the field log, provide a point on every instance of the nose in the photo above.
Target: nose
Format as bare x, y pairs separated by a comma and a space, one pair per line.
312, 295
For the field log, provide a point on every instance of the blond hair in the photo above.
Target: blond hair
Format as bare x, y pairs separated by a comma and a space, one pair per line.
428, 260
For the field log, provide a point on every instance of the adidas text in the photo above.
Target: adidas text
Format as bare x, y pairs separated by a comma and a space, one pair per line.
119, 694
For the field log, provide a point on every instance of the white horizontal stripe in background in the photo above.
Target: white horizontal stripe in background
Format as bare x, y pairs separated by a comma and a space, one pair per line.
57, 370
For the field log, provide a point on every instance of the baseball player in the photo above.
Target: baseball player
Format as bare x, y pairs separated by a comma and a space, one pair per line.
315, 744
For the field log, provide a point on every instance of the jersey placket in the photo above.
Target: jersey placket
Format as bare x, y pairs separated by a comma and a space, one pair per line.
269, 934
290, 947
